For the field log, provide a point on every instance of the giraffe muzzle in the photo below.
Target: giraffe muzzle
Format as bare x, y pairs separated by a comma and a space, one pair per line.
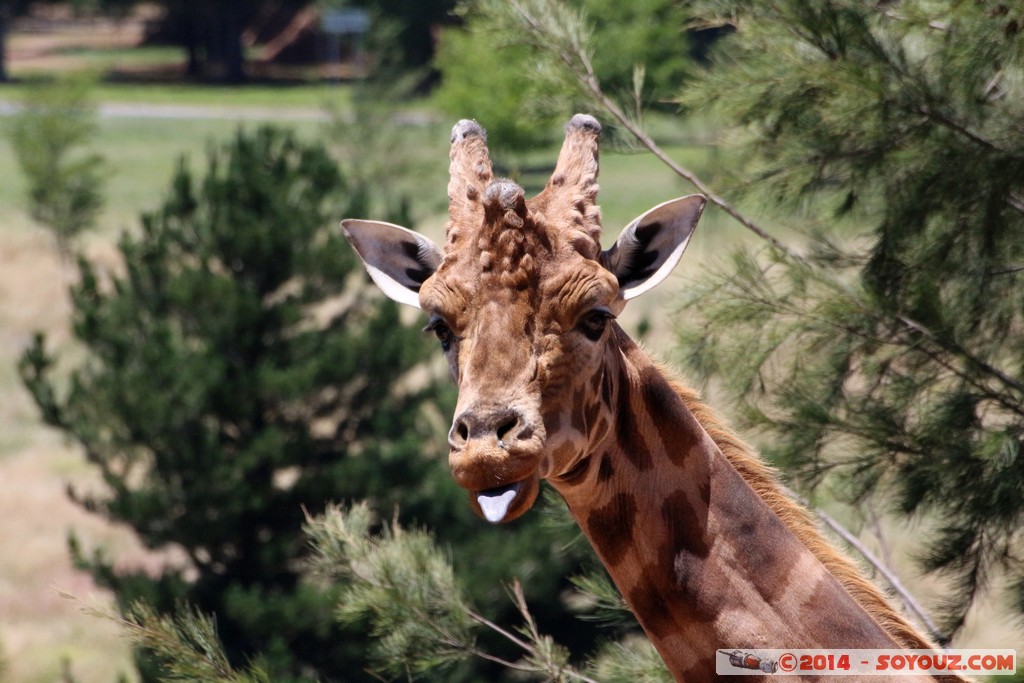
495, 455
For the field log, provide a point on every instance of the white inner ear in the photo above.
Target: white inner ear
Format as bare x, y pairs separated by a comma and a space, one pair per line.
670, 226
392, 288
392, 256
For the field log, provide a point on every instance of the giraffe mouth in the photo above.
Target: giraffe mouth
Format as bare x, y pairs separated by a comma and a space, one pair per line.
494, 503
505, 503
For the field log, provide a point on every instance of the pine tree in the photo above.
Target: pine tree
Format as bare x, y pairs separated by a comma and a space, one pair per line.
237, 374
882, 352
233, 376
64, 182
401, 585
887, 359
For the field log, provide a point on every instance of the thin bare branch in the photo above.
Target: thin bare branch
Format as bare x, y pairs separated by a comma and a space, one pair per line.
575, 58
960, 351
876, 528
1009, 271
905, 595
531, 651
508, 635
1016, 201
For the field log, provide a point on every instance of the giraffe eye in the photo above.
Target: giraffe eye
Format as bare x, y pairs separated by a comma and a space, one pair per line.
593, 323
443, 332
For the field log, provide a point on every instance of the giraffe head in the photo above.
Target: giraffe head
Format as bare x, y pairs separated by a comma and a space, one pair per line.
522, 300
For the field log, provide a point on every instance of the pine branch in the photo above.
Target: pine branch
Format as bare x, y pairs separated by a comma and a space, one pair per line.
574, 55
876, 527
557, 31
542, 650
1017, 202
958, 128
958, 350
604, 602
406, 588
1015, 269
184, 644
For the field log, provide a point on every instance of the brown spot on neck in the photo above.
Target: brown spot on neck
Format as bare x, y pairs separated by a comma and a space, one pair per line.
697, 551
632, 441
678, 430
611, 527
578, 472
685, 515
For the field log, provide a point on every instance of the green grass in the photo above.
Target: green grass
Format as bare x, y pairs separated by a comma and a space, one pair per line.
143, 154
313, 95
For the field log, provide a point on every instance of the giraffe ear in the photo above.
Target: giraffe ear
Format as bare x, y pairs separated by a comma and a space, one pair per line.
650, 247
398, 260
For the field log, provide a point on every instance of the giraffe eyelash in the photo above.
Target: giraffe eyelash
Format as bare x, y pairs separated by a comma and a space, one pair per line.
594, 322
444, 333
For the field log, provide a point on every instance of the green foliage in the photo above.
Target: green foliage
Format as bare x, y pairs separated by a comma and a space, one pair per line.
887, 362
412, 23
602, 601
646, 33
232, 377
405, 587
483, 78
631, 660
389, 164
515, 79
57, 119
184, 644
401, 583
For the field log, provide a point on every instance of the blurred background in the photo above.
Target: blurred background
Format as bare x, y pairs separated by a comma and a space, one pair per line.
190, 356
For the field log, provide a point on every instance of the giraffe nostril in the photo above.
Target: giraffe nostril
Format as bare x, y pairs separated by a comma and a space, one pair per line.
504, 426
459, 433
507, 427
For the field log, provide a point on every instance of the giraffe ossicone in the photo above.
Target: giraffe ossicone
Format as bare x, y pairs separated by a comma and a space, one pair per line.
500, 247
691, 525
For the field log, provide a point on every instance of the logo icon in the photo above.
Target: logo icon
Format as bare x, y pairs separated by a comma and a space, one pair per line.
745, 660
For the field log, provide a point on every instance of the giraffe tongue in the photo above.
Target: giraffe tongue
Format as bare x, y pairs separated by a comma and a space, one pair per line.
494, 502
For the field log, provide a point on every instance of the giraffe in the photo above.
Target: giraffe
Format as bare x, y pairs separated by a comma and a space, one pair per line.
691, 525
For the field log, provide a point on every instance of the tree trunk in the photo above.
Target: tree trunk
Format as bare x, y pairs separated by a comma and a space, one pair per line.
191, 23
234, 59
228, 36
3, 43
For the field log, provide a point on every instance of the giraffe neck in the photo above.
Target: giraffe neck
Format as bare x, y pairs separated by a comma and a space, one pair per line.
697, 554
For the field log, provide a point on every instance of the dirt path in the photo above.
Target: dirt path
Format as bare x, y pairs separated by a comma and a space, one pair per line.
38, 628
53, 39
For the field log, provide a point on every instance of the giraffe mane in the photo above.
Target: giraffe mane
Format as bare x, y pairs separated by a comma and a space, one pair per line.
764, 480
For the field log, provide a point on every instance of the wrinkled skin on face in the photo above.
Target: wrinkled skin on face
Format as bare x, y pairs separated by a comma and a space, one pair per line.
522, 300
523, 347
